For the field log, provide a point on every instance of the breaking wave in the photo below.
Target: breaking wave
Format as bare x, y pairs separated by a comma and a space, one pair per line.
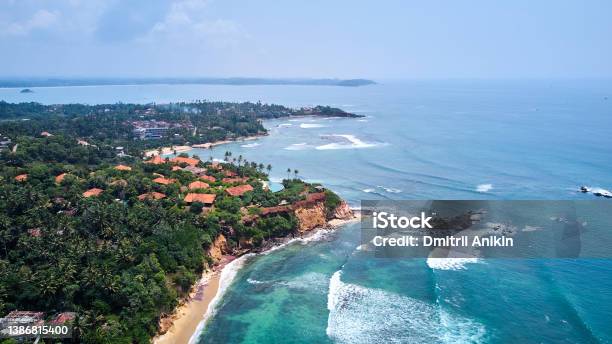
311, 125
450, 263
389, 190
298, 146
250, 145
350, 142
484, 187
366, 315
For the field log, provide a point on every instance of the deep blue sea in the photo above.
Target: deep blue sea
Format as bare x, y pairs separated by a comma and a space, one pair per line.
467, 139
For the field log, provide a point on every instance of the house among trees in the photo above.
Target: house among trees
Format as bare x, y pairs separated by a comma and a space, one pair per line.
123, 168
239, 190
164, 181
189, 161
157, 160
198, 171
62, 318
151, 195
198, 185
208, 178
22, 177
206, 199
59, 178
92, 192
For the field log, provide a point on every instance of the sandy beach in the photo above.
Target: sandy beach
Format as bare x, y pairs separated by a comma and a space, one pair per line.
167, 150
192, 314
184, 322
180, 149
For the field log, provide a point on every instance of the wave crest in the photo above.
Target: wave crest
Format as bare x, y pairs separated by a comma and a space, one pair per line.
366, 315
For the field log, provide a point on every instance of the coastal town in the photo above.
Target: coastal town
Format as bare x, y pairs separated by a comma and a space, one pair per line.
100, 233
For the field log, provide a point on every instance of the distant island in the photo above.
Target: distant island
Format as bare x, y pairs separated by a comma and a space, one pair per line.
54, 82
26, 90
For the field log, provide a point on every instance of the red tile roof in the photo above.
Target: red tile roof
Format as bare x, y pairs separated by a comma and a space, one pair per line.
157, 160
151, 195
123, 168
59, 178
92, 192
188, 161
238, 190
275, 210
198, 185
310, 199
208, 178
176, 168
230, 173
164, 181
202, 198
62, 318
22, 177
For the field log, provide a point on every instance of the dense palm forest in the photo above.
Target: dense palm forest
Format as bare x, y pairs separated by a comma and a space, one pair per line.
114, 238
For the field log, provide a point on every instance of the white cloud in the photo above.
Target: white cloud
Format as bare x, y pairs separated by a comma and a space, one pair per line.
42, 19
186, 23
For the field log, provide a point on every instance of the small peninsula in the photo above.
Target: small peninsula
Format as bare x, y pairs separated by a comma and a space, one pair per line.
97, 233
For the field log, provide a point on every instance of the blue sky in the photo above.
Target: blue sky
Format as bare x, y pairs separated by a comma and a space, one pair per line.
315, 38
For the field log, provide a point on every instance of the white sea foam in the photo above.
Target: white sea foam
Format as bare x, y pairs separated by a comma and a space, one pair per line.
353, 143
366, 315
484, 187
389, 190
531, 228
298, 146
311, 125
362, 120
450, 263
285, 125
368, 190
228, 273
253, 281
250, 145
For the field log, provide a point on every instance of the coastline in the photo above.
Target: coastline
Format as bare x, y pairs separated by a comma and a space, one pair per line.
188, 320
185, 148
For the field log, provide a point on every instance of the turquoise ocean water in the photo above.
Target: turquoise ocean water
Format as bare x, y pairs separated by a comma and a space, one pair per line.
419, 140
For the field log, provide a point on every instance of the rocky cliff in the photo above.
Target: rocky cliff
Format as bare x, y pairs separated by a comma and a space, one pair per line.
218, 248
343, 211
311, 216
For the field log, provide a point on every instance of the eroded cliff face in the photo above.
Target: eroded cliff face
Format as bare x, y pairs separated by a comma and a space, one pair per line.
343, 211
310, 217
218, 248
